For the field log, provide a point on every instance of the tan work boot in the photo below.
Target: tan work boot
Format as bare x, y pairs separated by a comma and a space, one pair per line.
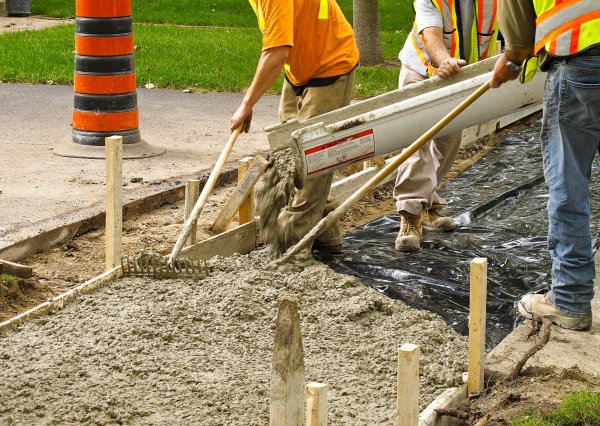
433, 221
410, 235
537, 306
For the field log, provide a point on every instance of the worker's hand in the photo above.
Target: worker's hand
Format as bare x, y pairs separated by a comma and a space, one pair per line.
450, 66
243, 117
502, 73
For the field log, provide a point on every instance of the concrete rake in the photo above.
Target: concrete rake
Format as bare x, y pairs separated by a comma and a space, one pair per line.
156, 266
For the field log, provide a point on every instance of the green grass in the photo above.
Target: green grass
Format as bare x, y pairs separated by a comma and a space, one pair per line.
577, 409
393, 14
6, 279
203, 59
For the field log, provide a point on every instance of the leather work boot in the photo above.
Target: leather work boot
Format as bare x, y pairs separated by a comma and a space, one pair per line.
537, 306
433, 221
410, 235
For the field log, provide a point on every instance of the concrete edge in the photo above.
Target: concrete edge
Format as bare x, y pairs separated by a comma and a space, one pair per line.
450, 398
93, 217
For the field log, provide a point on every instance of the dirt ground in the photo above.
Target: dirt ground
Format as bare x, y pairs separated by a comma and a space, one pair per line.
81, 258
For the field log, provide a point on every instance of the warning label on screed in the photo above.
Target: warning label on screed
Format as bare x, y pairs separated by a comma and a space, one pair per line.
340, 151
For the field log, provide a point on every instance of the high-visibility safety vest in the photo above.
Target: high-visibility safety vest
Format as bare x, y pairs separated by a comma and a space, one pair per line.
481, 36
566, 27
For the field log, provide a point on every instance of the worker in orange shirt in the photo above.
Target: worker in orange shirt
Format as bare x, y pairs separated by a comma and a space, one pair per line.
314, 43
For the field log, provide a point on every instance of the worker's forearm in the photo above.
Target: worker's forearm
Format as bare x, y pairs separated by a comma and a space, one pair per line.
517, 56
269, 67
435, 46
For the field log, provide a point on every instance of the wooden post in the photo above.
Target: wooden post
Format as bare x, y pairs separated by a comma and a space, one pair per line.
246, 212
114, 202
244, 188
3, 11
316, 404
192, 192
287, 372
408, 385
477, 317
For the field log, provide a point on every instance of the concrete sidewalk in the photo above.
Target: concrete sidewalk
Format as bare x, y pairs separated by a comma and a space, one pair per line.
42, 192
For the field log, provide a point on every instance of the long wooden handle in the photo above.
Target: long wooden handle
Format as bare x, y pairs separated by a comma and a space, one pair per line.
206, 191
328, 220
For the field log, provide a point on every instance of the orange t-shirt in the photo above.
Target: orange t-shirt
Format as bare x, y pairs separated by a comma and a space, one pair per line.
321, 39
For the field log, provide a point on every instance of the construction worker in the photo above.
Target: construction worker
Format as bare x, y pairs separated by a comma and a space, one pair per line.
565, 36
446, 35
314, 43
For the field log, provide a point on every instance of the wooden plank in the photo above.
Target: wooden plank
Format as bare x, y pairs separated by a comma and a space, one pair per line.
477, 316
192, 192
15, 269
246, 211
114, 200
244, 188
61, 300
316, 404
407, 400
238, 240
287, 371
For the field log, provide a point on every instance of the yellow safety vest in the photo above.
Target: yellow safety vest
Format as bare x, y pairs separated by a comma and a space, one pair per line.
566, 27
482, 35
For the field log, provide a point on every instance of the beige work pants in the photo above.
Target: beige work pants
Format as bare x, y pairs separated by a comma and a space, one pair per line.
419, 176
311, 203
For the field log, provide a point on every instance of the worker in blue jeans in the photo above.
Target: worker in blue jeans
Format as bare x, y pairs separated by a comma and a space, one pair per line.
566, 40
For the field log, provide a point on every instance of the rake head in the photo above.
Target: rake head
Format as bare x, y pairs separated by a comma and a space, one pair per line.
150, 264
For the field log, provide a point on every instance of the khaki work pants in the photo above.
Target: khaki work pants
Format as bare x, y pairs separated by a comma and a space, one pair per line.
419, 176
310, 204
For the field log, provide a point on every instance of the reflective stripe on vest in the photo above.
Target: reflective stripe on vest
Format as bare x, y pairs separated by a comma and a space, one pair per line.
566, 27
486, 22
448, 12
259, 14
417, 42
324, 9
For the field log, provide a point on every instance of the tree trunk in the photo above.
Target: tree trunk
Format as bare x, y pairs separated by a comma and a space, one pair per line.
366, 30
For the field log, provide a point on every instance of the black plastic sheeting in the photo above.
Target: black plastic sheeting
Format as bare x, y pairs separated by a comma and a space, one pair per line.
499, 205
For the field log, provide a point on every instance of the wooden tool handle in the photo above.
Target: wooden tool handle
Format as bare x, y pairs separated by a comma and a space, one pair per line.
206, 191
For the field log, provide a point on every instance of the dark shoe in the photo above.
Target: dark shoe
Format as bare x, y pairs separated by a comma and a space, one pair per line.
410, 234
537, 306
432, 220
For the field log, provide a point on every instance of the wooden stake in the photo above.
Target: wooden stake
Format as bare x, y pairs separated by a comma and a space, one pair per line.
244, 188
192, 192
3, 11
316, 404
287, 372
246, 212
408, 385
477, 316
114, 201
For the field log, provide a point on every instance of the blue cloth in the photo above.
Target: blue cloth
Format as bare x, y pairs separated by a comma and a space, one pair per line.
570, 140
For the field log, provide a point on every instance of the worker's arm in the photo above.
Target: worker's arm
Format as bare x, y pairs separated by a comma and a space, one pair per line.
516, 19
268, 69
438, 53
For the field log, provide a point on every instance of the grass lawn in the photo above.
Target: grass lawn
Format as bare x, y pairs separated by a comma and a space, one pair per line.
216, 50
579, 408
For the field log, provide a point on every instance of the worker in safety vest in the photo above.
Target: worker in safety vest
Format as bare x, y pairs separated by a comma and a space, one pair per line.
565, 36
446, 35
314, 43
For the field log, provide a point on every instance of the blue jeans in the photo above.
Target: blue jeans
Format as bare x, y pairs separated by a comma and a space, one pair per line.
570, 139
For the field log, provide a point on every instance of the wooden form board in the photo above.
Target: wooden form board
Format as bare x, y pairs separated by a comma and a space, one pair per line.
241, 192
15, 269
238, 240
61, 300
